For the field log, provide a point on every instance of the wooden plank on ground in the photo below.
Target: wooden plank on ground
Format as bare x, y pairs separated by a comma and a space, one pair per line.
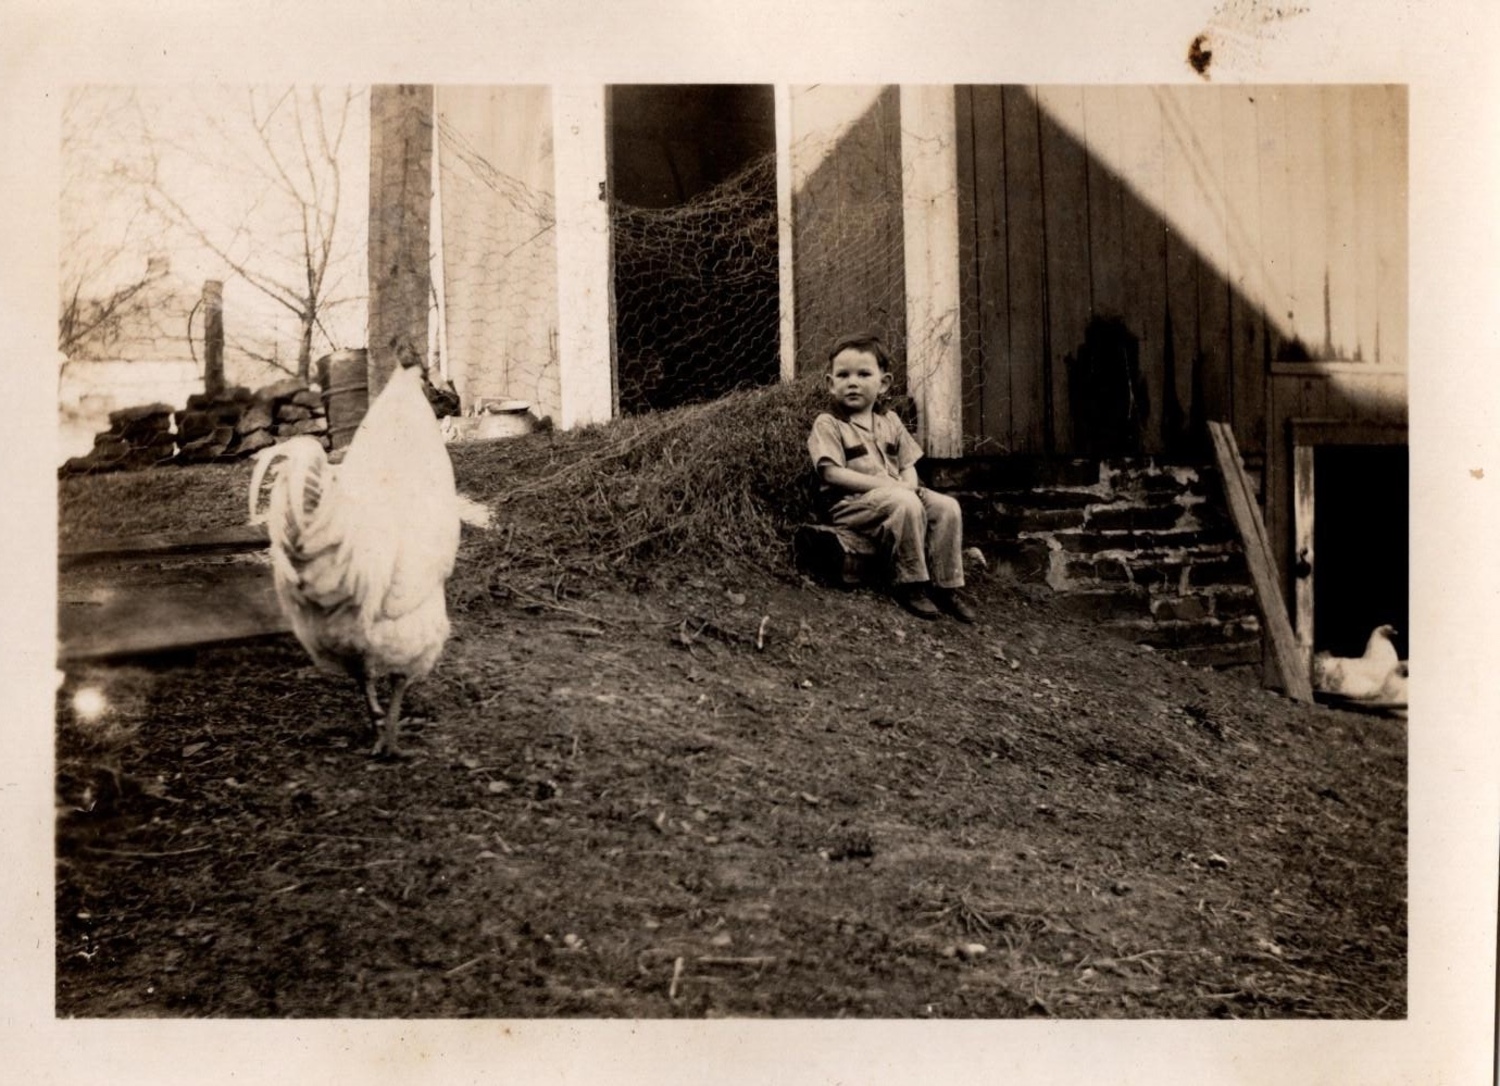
1252, 532
132, 620
237, 540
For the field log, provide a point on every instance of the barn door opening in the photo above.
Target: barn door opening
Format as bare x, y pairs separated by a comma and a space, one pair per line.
692, 186
1352, 516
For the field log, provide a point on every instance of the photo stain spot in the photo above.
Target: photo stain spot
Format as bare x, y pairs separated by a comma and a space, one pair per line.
1477, 473
1200, 56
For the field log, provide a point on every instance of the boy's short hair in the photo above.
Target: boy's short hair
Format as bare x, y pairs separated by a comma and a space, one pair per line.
862, 341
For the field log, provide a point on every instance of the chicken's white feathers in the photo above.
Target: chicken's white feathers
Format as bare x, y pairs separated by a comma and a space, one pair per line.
361, 552
1368, 676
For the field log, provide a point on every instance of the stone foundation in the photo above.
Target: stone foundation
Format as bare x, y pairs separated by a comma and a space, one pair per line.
1144, 549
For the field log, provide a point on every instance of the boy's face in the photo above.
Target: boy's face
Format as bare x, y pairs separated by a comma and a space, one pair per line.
855, 380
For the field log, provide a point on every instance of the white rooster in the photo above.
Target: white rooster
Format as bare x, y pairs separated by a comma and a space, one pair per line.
361, 552
1379, 673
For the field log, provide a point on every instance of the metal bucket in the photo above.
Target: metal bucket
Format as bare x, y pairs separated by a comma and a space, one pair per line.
503, 418
347, 395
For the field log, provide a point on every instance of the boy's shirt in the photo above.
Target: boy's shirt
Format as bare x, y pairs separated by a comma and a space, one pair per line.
887, 449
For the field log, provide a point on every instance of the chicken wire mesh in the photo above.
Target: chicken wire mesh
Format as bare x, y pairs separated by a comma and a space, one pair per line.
497, 267
697, 295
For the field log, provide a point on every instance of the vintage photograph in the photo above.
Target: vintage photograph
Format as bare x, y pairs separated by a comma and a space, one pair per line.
691, 550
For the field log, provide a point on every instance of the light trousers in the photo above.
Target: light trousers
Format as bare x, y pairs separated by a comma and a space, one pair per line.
922, 529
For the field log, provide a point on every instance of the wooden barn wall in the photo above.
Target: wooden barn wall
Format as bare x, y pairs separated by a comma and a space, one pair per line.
1228, 229
848, 263
499, 246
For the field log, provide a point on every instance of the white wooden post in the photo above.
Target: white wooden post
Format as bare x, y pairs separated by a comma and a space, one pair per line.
585, 332
784, 231
929, 205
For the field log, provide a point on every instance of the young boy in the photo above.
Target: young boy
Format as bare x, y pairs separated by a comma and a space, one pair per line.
865, 458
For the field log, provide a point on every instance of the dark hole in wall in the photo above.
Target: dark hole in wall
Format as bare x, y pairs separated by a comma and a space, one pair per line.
693, 215
1361, 547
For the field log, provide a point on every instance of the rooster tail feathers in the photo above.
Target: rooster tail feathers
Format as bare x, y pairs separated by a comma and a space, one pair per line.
297, 487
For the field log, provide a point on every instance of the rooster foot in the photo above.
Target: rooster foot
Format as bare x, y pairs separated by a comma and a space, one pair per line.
386, 750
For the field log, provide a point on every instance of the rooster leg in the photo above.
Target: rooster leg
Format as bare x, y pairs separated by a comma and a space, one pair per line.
372, 698
385, 743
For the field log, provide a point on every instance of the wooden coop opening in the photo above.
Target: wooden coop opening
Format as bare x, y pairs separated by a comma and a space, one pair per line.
694, 233
1351, 521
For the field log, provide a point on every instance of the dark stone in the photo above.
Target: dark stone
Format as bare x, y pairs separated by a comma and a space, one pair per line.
306, 426
254, 442
1028, 559
208, 447
257, 417
1184, 609
136, 414
1223, 569
281, 390
835, 557
290, 412
1233, 654
1235, 605
1134, 518
192, 425
1100, 606
309, 399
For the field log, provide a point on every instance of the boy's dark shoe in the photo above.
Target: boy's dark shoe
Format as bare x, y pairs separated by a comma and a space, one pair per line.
949, 600
914, 598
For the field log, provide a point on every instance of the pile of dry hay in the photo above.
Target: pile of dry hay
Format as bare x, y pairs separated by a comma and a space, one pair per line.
708, 484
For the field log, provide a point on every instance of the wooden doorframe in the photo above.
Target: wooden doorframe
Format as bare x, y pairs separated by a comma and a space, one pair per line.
1307, 436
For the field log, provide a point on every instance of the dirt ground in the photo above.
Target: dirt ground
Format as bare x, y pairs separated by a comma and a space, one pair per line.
714, 793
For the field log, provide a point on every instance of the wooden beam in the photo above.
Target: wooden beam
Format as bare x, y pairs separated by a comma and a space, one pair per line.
129, 621
1302, 549
400, 221
585, 274
1252, 532
237, 540
929, 202
1346, 432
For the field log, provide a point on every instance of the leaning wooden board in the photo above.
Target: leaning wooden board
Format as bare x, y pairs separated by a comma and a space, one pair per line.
163, 593
1252, 532
128, 619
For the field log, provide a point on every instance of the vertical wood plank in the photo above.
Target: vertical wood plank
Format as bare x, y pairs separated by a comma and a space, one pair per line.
929, 199
1391, 154
1181, 335
992, 266
1277, 499
1341, 195
1027, 269
1275, 218
1206, 121
970, 344
1303, 563
1144, 237
1101, 117
584, 261
1365, 109
1066, 210
1247, 325
1308, 207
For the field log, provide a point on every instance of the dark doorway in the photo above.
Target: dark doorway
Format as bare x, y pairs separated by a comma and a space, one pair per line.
693, 214
1360, 539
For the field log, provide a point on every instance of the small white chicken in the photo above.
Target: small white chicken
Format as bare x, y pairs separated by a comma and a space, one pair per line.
1370, 676
361, 552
